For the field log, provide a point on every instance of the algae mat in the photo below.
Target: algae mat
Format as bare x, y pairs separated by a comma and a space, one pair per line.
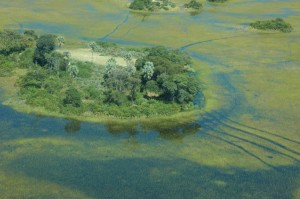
248, 143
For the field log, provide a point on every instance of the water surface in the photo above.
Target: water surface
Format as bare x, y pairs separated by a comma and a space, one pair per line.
245, 145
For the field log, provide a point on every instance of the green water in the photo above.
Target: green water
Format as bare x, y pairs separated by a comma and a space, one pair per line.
245, 145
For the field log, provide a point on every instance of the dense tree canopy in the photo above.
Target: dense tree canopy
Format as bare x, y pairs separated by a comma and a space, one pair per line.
45, 44
73, 97
151, 5
12, 41
152, 81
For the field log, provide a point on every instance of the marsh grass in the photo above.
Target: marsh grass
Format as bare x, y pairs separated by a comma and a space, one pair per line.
250, 130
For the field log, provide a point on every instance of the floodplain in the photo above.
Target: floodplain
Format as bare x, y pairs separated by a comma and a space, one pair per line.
245, 143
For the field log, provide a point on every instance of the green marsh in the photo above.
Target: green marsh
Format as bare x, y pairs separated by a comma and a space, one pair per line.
245, 145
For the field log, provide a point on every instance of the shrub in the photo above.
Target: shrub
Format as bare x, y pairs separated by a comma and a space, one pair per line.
85, 69
6, 66
12, 41
26, 58
104, 44
140, 4
274, 24
73, 97
217, 1
193, 4
34, 79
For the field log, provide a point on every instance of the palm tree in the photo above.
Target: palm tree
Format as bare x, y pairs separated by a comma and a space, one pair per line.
94, 48
60, 40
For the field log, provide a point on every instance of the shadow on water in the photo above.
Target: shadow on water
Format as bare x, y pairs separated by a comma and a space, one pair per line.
157, 178
167, 132
15, 125
72, 126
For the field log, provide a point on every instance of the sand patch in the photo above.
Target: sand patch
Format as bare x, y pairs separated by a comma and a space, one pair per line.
84, 54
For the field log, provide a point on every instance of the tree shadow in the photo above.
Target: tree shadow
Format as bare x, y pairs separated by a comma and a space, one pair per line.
72, 126
167, 131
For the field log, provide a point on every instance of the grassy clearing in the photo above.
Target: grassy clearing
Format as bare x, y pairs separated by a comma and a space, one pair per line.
86, 55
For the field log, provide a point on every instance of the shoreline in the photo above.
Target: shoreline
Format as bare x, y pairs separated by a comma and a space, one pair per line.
11, 99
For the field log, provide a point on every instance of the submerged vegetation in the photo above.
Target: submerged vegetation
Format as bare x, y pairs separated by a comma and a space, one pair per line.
154, 81
277, 24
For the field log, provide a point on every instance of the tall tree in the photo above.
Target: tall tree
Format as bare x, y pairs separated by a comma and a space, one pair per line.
73, 71
60, 40
45, 44
148, 70
93, 46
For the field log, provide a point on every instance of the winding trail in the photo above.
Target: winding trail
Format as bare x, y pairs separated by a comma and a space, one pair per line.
217, 39
215, 123
115, 29
211, 40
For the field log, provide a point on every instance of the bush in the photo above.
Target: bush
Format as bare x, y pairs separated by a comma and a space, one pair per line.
140, 4
41, 98
85, 69
150, 5
31, 34
114, 97
73, 97
33, 79
193, 4
217, 1
6, 66
274, 24
12, 41
104, 44
93, 93
25, 59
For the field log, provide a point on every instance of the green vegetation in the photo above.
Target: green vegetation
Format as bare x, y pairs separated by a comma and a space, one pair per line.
273, 24
15, 50
154, 81
151, 5
73, 97
14, 42
193, 4
45, 45
217, 1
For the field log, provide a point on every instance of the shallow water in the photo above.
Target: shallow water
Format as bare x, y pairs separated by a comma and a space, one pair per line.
246, 145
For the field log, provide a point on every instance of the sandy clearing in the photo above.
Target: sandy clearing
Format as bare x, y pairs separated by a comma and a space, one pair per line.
83, 54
